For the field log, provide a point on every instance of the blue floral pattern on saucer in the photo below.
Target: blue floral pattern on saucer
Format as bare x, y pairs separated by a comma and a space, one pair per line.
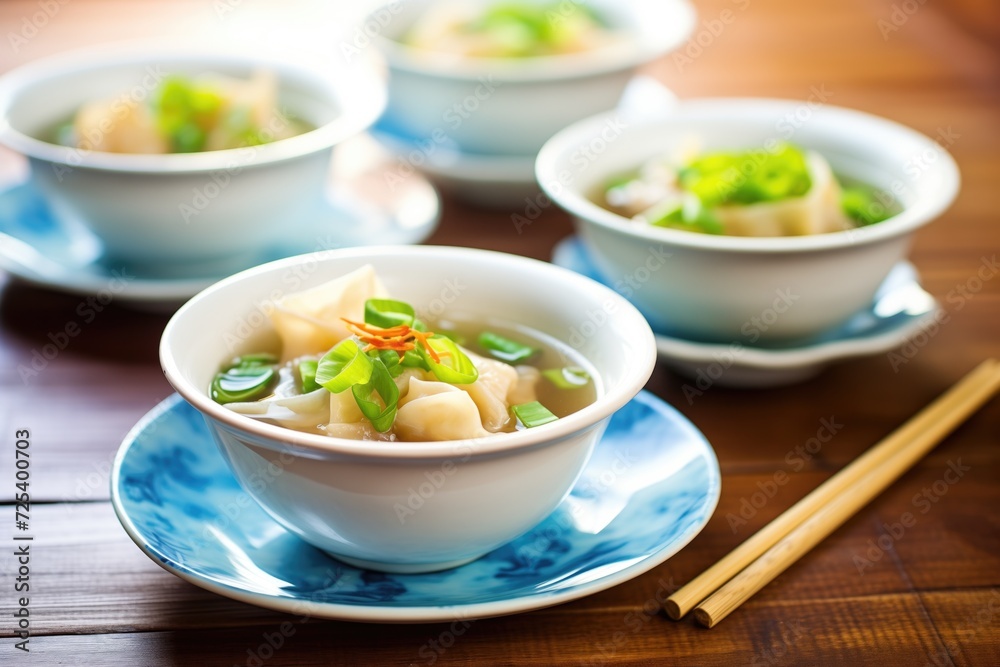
650, 487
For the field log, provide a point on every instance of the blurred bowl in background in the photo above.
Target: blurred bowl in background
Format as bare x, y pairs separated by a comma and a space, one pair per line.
183, 213
715, 288
510, 106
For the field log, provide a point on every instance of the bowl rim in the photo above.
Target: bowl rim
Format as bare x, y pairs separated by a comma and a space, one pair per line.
358, 92
652, 45
642, 350
578, 205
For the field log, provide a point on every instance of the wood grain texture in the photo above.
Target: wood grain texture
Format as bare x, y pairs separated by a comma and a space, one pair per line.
931, 598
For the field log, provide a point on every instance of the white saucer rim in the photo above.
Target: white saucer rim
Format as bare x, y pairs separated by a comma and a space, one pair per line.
404, 615
786, 359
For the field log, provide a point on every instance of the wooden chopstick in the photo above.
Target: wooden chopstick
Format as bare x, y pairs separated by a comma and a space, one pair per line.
776, 546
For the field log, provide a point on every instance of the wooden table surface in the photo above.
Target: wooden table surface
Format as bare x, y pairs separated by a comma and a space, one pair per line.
931, 598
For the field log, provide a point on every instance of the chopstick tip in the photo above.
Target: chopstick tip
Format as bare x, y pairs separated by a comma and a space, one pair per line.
673, 609
704, 618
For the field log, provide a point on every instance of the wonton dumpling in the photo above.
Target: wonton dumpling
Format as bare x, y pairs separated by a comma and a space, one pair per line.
524, 391
490, 390
300, 412
344, 409
309, 321
435, 411
115, 126
816, 212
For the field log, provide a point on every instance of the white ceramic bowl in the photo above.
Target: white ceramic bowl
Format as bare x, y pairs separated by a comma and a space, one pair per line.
511, 106
183, 213
410, 506
750, 290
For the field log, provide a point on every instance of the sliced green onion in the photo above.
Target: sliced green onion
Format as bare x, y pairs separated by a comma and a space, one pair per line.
571, 377
455, 366
307, 374
504, 348
391, 360
243, 383
861, 205
748, 177
533, 414
383, 414
413, 359
258, 359
343, 367
690, 214
388, 313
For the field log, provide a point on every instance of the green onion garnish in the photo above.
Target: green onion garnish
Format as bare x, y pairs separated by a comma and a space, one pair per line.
571, 377
380, 383
860, 204
504, 348
246, 378
390, 359
388, 313
413, 359
687, 213
533, 414
455, 366
748, 177
343, 367
307, 374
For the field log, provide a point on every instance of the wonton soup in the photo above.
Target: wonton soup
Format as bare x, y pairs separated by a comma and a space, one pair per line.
184, 115
783, 191
511, 29
356, 364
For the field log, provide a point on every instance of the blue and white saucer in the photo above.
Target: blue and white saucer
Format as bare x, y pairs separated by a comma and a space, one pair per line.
901, 309
40, 247
650, 487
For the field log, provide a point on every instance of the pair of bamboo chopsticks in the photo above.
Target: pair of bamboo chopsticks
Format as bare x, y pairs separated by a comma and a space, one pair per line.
770, 551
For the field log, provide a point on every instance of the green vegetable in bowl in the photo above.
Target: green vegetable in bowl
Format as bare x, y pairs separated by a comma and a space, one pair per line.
782, 191
510, 29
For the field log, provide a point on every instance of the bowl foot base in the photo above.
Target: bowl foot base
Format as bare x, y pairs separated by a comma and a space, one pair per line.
405, 568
